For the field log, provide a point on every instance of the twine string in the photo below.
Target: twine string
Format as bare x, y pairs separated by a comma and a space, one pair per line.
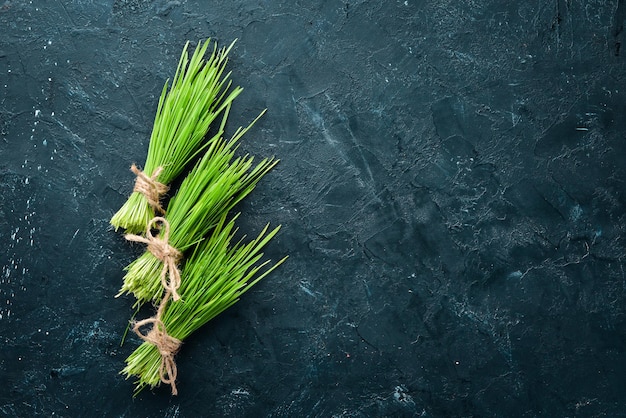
166, 344
163, 251
150, 187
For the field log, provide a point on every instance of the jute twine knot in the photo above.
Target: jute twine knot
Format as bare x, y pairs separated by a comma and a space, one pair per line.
162, 250
150, 187
166, 344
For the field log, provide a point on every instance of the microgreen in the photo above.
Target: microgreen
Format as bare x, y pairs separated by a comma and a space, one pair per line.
213, 187
199, 92
215, 276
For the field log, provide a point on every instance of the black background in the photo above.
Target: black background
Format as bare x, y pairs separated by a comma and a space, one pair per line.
451, 190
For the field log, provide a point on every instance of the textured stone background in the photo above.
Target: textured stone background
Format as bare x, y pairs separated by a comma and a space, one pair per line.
452, 195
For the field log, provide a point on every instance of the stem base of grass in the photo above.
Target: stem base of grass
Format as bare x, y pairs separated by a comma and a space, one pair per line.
134, 215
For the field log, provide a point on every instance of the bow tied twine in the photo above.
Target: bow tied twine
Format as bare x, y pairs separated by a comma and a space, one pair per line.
166, 344
150, 187
162, 250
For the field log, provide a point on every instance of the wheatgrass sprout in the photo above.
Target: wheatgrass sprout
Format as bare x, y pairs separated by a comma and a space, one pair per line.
200, 91
212, 188
215, 276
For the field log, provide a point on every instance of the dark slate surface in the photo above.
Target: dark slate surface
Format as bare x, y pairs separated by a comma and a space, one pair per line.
452, 193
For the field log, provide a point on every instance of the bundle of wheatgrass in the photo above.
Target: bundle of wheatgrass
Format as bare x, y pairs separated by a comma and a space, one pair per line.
217, 273
199, 92
212, 188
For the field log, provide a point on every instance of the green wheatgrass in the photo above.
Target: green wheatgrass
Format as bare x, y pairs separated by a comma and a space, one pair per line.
200, 91
212, 188
213, 279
